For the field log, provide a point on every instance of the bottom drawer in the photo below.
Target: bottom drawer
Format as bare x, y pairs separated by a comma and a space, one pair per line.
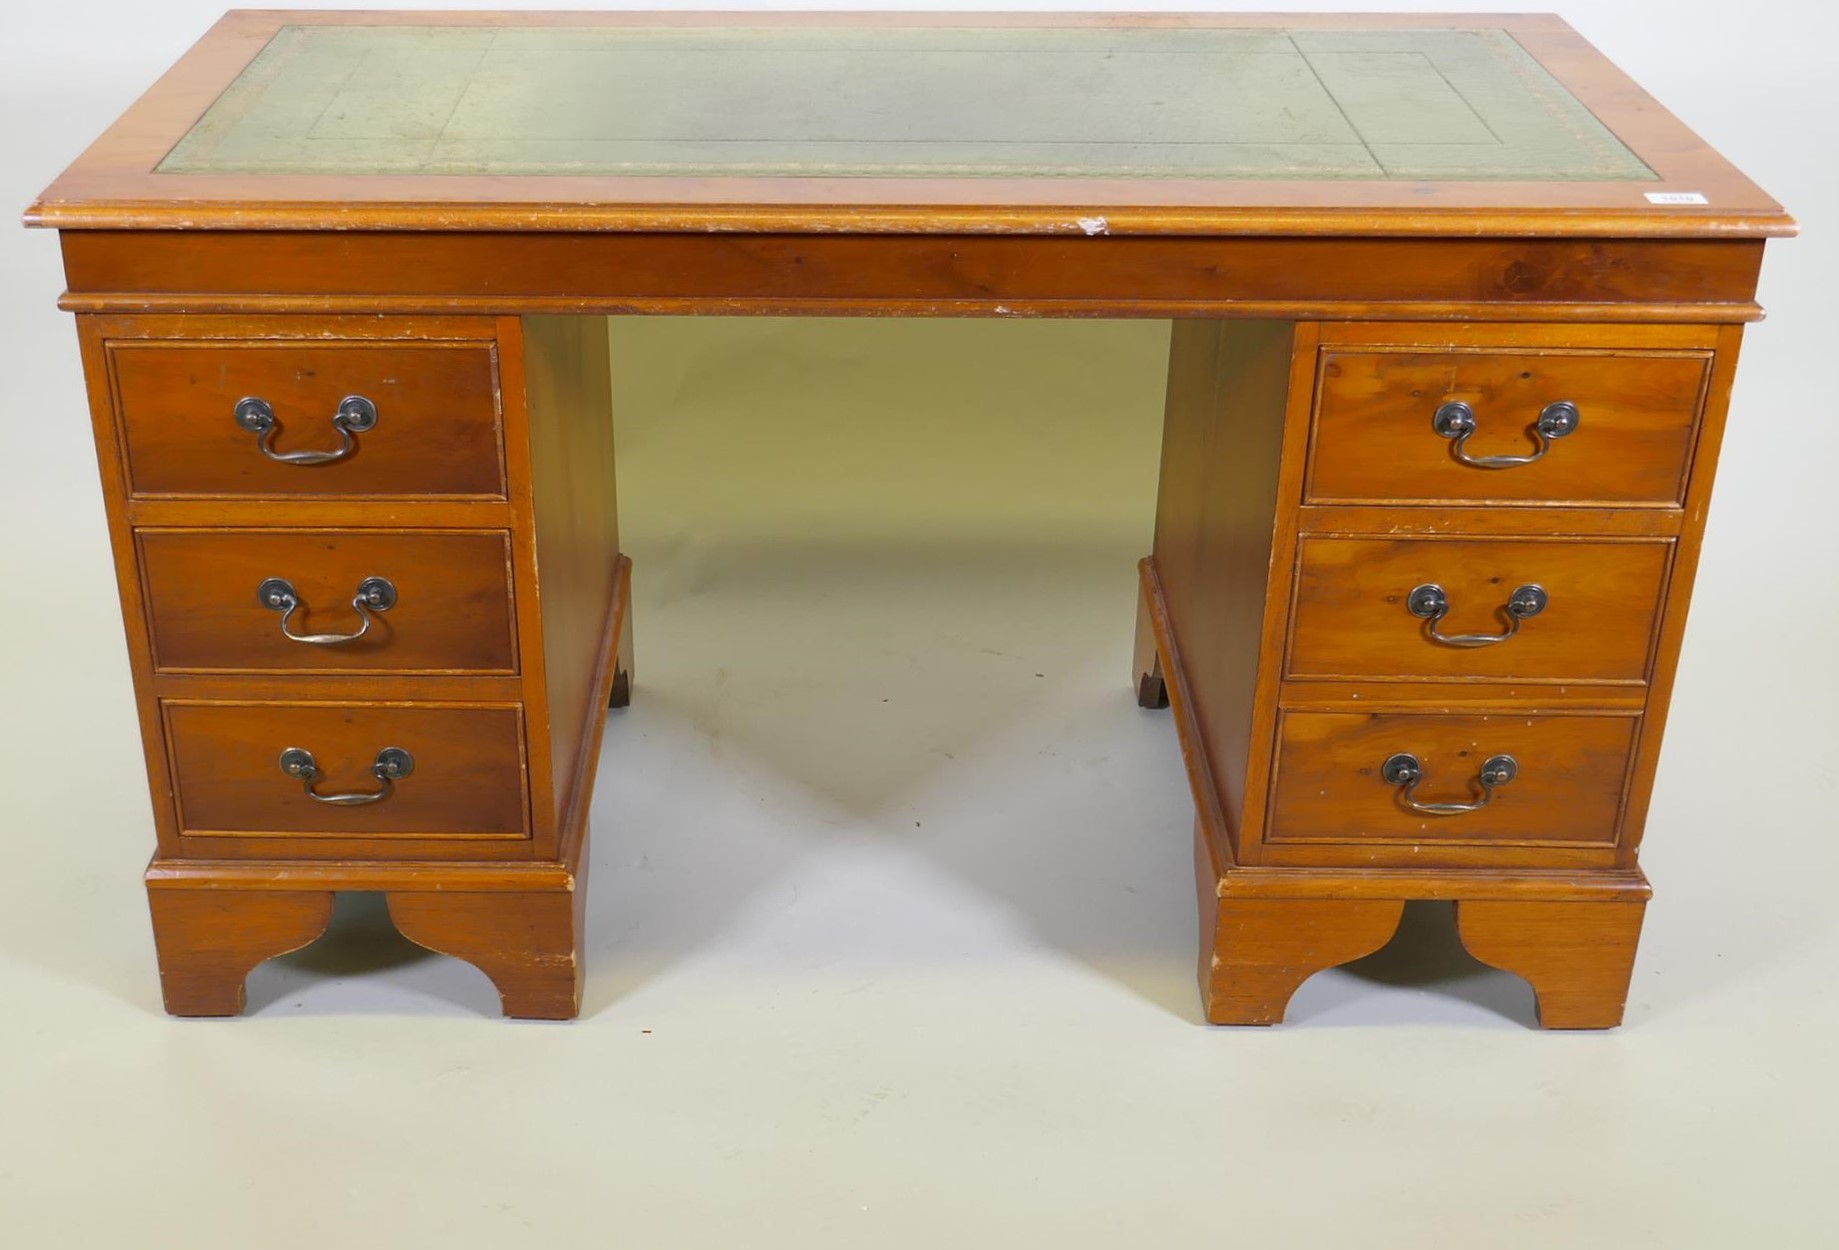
463, 775
1332, 781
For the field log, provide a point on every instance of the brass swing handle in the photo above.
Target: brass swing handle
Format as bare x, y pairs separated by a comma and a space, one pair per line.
1430, 603
355, 415
1404, 771
375, 594
1456, 420
393, 764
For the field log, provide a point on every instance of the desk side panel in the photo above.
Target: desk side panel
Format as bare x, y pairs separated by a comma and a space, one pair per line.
567, 392
1679, 590
1216, 514
93, 334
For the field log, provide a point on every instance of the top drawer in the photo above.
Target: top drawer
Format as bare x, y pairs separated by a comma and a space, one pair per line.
188, 430
1378, 436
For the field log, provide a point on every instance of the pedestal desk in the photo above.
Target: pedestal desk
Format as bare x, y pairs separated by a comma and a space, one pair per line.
1455, 312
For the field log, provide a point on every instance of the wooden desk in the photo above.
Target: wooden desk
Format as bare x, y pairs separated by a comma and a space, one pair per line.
1455, 313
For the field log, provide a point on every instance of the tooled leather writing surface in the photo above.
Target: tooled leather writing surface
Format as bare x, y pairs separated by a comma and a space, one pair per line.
892, 102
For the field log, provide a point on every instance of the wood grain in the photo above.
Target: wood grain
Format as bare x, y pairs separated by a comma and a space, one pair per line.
1442, 884
209, 940
112, 185
378, 876
1210, 815
1373, 437
528, 944
1252, 957
436, 432
1215, 515
467, 780
1102, 275
1679, 590
568, 391
1351, 621
1368, 695
453, 614
1483, 520
1318, 324
105, 427
1259, 951
1569, 789
1579, 957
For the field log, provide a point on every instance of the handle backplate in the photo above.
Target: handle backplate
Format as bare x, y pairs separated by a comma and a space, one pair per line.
1430, 603
375, 594
355, 415
1455, 419
391, 766
1404, 771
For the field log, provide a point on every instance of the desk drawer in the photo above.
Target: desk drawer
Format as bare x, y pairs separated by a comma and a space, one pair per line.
1378, 436
464, 778
408, 418
1331, 784
1573, 611
444, 603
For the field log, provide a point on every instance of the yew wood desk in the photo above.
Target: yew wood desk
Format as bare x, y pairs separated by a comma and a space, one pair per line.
1455, 313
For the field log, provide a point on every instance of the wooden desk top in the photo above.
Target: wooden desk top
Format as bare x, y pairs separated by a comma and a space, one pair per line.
867, 123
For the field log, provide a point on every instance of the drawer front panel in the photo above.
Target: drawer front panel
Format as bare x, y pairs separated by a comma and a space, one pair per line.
1568, 788
467, 777
436, 406
449, 609
1353, 614
1374, 437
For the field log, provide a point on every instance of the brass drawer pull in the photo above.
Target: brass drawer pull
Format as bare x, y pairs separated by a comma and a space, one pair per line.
1404, 771
355, 415
375, 594
1456, 420
393, 764
1430, 602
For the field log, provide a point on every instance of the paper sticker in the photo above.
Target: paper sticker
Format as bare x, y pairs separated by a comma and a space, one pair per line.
1676, 197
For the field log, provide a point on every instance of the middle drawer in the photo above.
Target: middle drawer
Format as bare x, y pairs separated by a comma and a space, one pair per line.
1557, 610
270, 601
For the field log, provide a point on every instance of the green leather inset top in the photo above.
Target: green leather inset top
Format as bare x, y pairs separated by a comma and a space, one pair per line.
1432, 105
